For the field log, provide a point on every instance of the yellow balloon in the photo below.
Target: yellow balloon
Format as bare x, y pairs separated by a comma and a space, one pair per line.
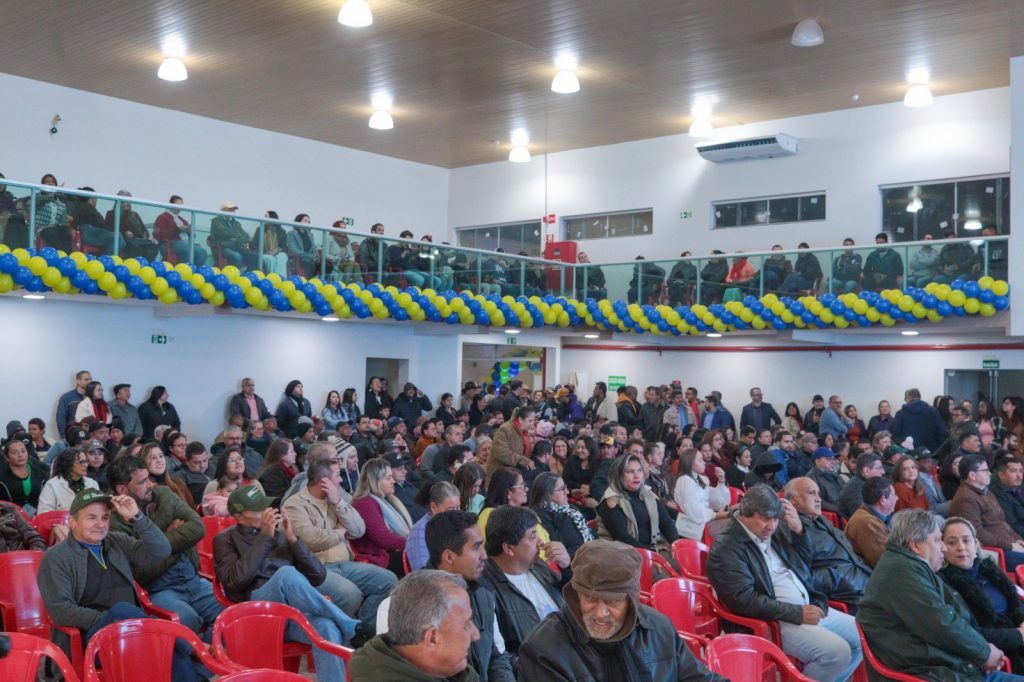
778, 308
147, 275
747, 315
274, 277
719, 326
758, 323
133, 266
972, 306
906, 303
827, 317
919, 311
986, 282
563, 319
244, 284
873, 315
549, 317
887, 321
787, 317
23, 257
184, 270
231, 271
935, 316
51, 277
987, 310
217, 299
63, 286
119, 291
253, 296
94, 269
37, 265
4, 249
159, 287
286, 288
708, 318
208, 291
169, 296
376, 305
860, 306
298, 298
841, 323
1000, 288
816, 307
6, 283
107, 281
197, 280
957, 298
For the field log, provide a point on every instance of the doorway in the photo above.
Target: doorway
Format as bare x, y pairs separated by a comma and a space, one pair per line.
482, 362
994, 384
396, 371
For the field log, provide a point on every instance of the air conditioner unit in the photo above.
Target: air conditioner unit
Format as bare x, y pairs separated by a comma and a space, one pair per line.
753, 148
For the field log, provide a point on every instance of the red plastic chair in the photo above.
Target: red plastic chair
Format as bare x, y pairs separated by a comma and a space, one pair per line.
650, 560
141, 649
692, 607
152, 609
44, 523
27, 652
251, 634
832, 518
745, 657
880, 668
405, 563
213, 525
263, 675
735, 495
219, 593
692, 557
21, 604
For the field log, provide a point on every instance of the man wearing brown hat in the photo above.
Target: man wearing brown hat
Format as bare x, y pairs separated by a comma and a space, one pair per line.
603, 631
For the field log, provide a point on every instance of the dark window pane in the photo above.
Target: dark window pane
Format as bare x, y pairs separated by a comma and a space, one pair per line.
754, 212
643, 223
896, 220
726, 215
783, 210
597, 227
936, 214
976, 202
812, 208
487, 238
510, 237
620, 225
467, 238
576, 229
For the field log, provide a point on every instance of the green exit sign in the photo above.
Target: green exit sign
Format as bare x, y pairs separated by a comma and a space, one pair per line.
348, 221
685, 215
990, 364
510, 340
159, 339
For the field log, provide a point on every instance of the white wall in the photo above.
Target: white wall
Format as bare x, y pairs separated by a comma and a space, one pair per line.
111, 144
862, 378
46, 342
846, 153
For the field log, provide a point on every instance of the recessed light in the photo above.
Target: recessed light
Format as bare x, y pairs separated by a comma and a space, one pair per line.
355, 13
511, 331
172, 69
329, 318
807, 33
714, 335
33, 297
591, 336
909, 332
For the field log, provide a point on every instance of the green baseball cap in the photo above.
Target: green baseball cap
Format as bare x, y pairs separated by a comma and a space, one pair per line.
248, 498
89, 496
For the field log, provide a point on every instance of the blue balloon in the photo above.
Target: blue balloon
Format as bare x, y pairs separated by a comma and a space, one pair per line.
837, 307
9, 263
728, 317
849, 315
266, 286
767, 315
987, 296
971, 289
402, 316
92, 288
691, 318
663, 326
808, 317
956, 285
944, 308
173, 278
797, 308
22, 276
107, 261
1001, 303
221, 282
275, 298
778, 323
960, 312
453, 318
79, 280
863, 321
883, 306
194, 297
930, 302
757, 308
66, 266
185, 288
50, 255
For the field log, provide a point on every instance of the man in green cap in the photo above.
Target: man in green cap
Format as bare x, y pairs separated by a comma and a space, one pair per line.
86, 581
261, 559
603, 631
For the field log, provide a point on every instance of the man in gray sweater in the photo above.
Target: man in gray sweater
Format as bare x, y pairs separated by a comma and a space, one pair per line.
86, 581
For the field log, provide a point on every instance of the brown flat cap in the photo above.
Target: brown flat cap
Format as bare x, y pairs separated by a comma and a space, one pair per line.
606, 570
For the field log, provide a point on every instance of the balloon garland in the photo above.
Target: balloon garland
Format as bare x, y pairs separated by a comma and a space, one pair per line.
51, 270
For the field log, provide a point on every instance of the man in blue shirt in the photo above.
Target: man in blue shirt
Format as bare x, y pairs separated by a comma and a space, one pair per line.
69, 401
833, 420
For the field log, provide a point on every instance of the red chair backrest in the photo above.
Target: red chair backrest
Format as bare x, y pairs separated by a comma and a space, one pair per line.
689, 604
213, 525
264, 675
692, 557
744, 657
27, 651
734, 495
22, 604
44, 523
831, 517
142, 649
878, 666
650, 560
405, 563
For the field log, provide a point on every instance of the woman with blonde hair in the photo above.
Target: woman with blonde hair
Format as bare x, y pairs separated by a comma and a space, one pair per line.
700, 503
387, 521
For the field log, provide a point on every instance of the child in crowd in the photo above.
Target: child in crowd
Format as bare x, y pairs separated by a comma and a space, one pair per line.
216, 503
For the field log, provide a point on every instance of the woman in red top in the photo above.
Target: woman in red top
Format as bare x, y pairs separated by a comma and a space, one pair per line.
909, 490
857, 431
387, 521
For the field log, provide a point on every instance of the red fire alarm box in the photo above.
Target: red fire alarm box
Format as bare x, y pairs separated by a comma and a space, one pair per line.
560, 251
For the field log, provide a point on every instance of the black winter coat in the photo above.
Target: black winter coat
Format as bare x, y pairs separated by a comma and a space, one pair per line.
1012, 506
560, 528
288, 412
836, 570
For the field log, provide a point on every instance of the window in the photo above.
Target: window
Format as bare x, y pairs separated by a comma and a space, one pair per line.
909, 212
511, 237
789, 208
604, 225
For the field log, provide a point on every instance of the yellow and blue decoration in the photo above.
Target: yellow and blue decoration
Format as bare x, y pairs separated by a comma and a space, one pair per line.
51, 270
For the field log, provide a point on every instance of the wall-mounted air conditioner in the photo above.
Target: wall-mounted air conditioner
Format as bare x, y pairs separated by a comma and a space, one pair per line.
753, 148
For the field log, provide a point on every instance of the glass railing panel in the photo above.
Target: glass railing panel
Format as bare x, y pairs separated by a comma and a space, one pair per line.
15, 207
884, 267
775, 268
711, 279
235, 240
338, 256
681, 282
993, 257
136, 223
617, 278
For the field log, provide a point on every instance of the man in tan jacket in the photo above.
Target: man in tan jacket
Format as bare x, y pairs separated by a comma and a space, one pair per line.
511, 445
868, 528
324, 522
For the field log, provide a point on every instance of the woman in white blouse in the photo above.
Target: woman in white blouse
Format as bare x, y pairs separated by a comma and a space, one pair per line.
699, 503
69, 479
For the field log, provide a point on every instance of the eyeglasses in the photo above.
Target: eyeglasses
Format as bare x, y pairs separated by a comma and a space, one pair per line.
235, 460
561, 489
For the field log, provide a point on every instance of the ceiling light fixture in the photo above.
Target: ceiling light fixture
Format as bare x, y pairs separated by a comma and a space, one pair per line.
34, 297
565, 81
807, 33
972, 224
909, 332
381, 117
591, 336
355, 13
520, 152
918, 95
701, 125
915, 205
172, 69
511, 331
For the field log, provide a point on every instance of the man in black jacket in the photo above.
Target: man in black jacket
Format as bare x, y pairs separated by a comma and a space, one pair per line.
411, 405
526, 589
824, 475
835, 569
758, 414
247, 404
261, 559
759, 573
1007, 489
602, 631
865, 466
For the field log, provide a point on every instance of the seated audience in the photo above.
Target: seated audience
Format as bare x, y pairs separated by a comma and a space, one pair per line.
700, 504
350, 469
506, 487
69, 479
510, 447
156, 463
757, 572
976, 503
602, 631
97, 457
456, 546
261, 558
988, 593
836, 570
232, 465
824, 473
908, 484
868, 528
526, 588
437, 498
629, 512
233, 436
22, 477
579, 468
216, 503
193, 474
470, 481
742, 463
16, 534
387, 521
405, 490
324, 521
430, 631
865, 466
173, 583
278, 469
1007, 489
564, 523
912, 620
764, 472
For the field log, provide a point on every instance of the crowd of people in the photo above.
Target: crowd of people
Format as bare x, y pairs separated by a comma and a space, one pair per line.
272, 248
520, 509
